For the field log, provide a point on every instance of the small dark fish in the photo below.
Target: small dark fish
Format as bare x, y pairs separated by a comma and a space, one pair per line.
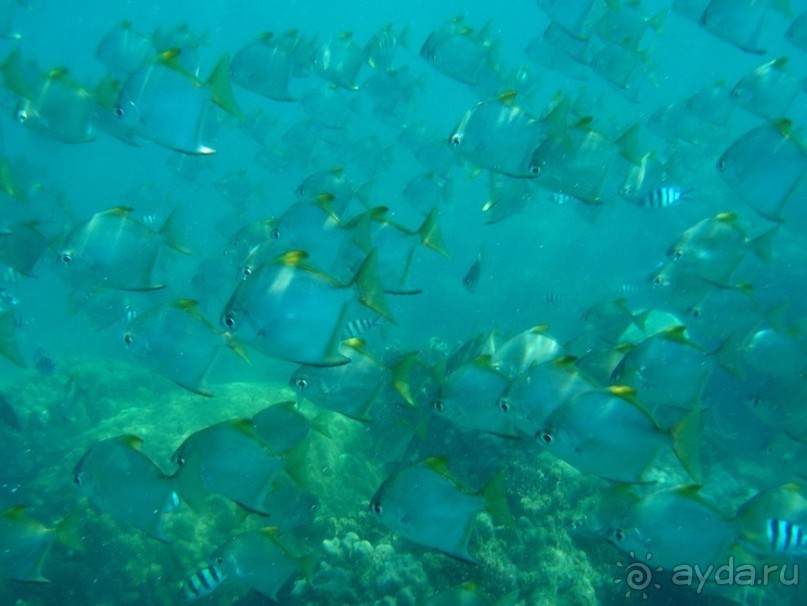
7, 415
471, 278
358, 326
663, 197
45, 365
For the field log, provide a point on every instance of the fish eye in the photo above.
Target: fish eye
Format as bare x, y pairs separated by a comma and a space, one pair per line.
77, 480
722, 164
617, 534
656, 279
180, 460
755, 401
246, 271
118, 111
455, 139
438, 405
67, 258
229, 321
736, 93
21, 116
275, 234
376, 507
301, 383
535, 170
695, 312
127, 338
676, 253
504, 405
219, 559
546, 437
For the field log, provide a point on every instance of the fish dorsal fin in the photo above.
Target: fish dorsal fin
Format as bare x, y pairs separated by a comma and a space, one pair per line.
132, 441
439, 465
567, 362
623, 391
359, 346
676, 333
17, 512
272, 532
170, 58
293, 258
483, 362
727, 217
243, 426
628, 394
507, 97
289, 405
118, 211
190, 306
57, 73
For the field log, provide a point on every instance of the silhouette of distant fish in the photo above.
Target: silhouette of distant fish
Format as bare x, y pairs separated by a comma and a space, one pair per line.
7, 415
45, 366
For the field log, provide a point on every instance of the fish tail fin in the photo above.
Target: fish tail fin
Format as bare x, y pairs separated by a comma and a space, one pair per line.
171, 232
296, 459
321, 425
729, 354
495, 495
13, 70
371, 293
686, 437
8, 339
365, 193
68, 533
430, 233
308, 564
630, 146
8, 182
783, 7
401, 374
763, 245
221, 91
189, 480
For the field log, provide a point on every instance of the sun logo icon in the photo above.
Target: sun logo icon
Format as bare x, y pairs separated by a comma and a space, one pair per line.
638, 576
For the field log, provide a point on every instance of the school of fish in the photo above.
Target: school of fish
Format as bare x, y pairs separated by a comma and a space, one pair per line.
676, 395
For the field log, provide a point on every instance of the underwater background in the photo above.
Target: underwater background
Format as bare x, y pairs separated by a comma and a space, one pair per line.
602, 198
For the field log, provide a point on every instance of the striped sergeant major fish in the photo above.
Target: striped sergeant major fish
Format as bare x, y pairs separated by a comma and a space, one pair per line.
358, 326
202, 583
786, 537
663, 197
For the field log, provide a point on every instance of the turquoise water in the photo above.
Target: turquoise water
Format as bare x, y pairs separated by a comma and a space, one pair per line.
556, 262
